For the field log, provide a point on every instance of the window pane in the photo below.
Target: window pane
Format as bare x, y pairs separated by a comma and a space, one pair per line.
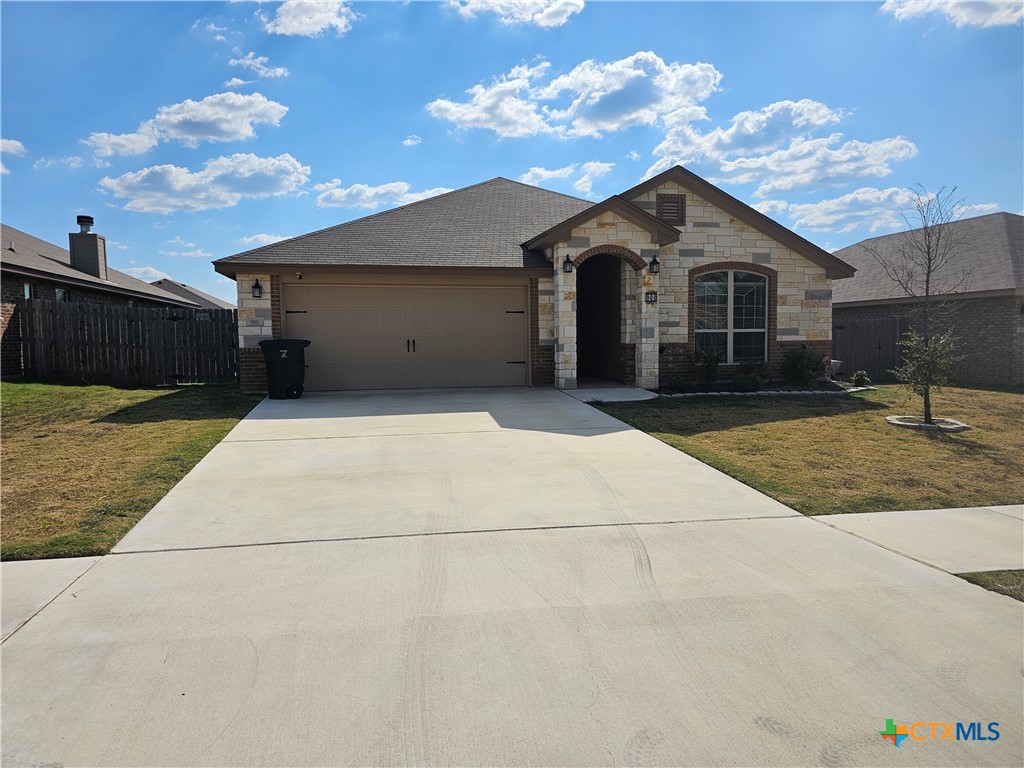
61, 294
712, 343
711, 310
748, 303
747, 346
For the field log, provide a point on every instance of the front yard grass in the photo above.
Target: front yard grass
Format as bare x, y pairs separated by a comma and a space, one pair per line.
828, 454
82, 465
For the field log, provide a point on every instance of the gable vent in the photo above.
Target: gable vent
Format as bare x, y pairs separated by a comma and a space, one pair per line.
672, 209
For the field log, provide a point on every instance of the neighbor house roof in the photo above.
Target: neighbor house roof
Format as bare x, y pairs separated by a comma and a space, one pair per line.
25, 255
204, 300
992, 253
479, 226
834, 267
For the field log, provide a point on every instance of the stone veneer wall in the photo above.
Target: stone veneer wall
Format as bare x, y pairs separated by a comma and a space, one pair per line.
258, 319
801, 316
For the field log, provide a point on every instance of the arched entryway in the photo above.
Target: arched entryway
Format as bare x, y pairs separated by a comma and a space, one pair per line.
602, 282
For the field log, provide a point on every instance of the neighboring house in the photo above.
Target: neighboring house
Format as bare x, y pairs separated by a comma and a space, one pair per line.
204, 300
31, 268
871, 312
503, 283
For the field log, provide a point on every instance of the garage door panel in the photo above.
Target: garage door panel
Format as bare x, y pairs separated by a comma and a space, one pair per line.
361, 335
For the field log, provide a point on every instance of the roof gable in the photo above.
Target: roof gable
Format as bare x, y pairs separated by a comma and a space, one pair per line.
994, 256
834, 267
661, 233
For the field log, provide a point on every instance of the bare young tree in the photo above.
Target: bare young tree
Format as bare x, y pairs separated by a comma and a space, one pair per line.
921, 264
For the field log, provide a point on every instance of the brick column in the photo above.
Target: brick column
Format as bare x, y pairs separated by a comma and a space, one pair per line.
255, 323
565, 329
647, 336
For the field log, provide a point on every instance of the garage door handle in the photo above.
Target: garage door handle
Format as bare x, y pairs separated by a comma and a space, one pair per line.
515, 311
295, 311
407, 346
414, 345
515, 362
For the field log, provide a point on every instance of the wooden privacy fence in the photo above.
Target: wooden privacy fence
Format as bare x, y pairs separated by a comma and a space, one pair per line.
128, 346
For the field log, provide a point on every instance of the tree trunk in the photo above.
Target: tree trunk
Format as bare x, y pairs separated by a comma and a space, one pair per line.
927, 405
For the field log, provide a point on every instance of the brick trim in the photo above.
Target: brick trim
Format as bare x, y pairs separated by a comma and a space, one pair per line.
252, 370
275, 306
542, 356
630, 257
771, 342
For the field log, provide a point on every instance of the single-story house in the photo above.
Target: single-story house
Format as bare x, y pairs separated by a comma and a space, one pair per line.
31, 268
191, 293
871, 313
503, 283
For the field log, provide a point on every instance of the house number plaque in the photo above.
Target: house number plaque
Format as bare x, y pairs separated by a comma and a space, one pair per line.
651, 297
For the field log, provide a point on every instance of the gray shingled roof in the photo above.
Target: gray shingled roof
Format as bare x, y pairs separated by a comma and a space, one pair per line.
994, 255
25, 254
204, 300
479, 226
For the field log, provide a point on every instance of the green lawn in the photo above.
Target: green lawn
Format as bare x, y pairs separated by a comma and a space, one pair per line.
82, 465
826, 454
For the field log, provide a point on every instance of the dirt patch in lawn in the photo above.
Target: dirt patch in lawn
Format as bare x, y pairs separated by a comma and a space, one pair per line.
82, 465
1009, 583
835, 454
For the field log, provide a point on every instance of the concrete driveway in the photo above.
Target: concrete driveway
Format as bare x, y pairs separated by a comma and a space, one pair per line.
500, 577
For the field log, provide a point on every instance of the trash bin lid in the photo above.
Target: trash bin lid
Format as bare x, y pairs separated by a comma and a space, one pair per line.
284, 343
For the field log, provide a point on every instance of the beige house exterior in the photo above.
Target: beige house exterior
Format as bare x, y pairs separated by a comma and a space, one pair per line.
506, 284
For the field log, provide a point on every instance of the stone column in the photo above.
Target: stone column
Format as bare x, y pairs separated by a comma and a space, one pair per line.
565, 328
647, 332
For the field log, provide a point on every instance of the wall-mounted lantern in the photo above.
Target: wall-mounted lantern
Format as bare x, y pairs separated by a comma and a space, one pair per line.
567, 264
655, 266
257, 289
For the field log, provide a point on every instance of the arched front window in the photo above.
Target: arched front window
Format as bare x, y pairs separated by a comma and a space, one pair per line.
731, 315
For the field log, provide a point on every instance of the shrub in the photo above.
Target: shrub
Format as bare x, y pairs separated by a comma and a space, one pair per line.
751, 375
802, 366
860, 379
707, 364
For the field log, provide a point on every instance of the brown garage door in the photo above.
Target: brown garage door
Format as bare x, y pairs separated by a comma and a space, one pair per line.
404, 336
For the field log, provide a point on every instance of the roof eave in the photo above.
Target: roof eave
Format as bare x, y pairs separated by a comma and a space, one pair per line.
115, 289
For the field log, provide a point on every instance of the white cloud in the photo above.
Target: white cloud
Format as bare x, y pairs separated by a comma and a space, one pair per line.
149, 274
633, 155
537, 174
262, 239
592, 170
333, 195
310, 18
236, 82
177, 240
196, 253
592, 99
963, 13
222, 183
749, 132
499, 107
641, 89
117, 244
10, 147
258, 66
543, 13
868, 207
813, 162
221, 117
412, 141
74, 161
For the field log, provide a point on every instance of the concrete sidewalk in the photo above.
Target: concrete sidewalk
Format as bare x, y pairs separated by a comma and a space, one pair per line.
27, 586
955, 540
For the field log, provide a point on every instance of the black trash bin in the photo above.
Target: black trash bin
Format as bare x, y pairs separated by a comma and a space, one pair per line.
286, 367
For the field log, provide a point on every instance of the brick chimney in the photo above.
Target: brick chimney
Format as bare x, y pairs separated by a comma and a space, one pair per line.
88, 250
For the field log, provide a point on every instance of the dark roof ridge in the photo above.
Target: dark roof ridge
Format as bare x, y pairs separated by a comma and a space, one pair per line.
544, 189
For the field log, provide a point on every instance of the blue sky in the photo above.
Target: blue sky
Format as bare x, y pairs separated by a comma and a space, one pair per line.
193, 131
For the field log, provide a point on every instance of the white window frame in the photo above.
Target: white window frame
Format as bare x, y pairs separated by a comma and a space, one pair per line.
729, 330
